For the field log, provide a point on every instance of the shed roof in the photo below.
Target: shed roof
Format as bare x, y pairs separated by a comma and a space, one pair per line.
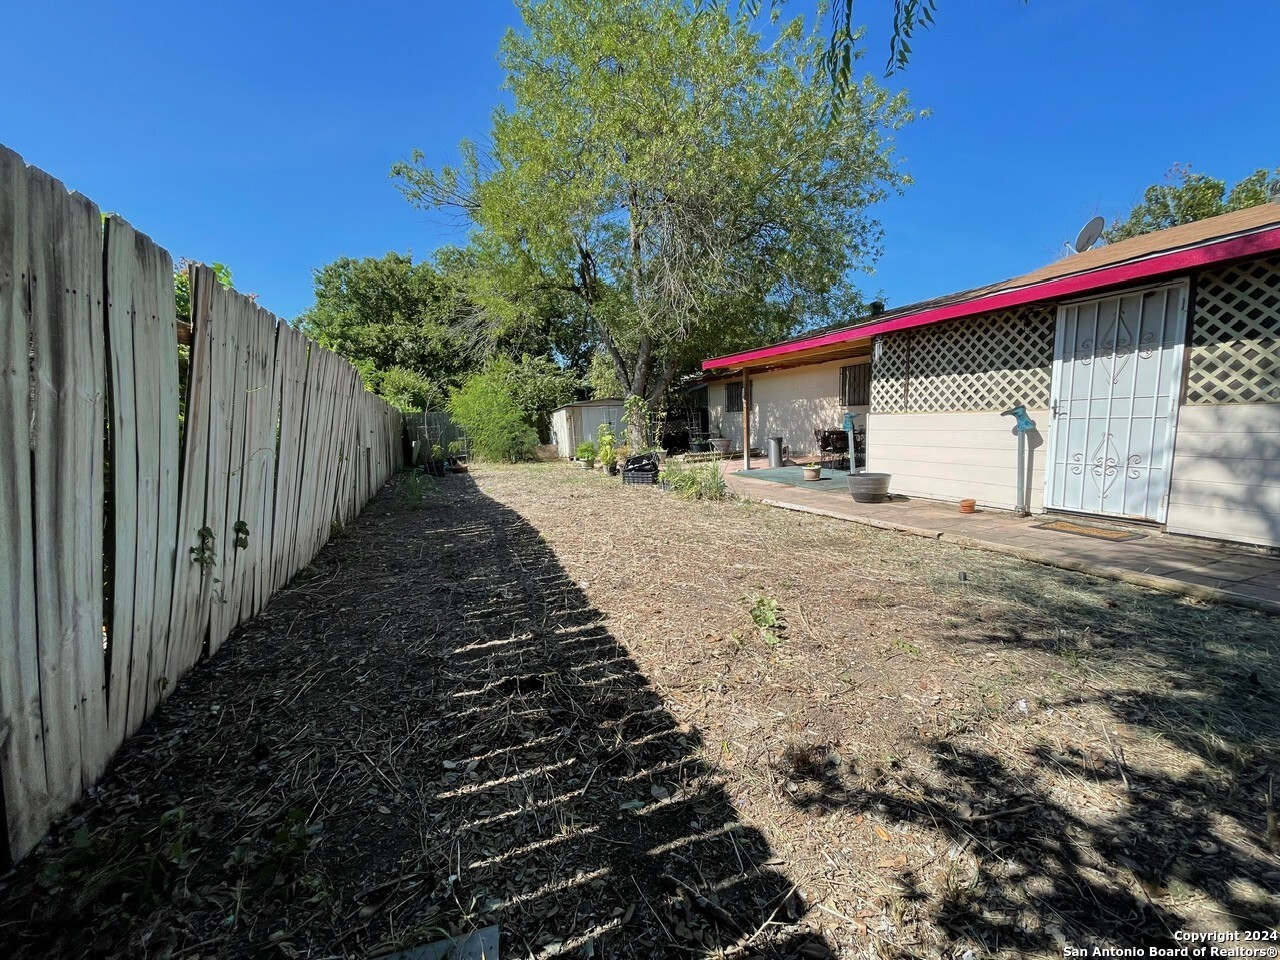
598, 402
1231, 236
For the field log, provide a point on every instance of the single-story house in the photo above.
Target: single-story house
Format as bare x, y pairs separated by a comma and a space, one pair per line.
1151, 368
575, 422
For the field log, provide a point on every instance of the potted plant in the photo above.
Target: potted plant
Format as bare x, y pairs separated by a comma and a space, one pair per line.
457, 462
586, 453
435, 466
719, 444
606, 449
813, 471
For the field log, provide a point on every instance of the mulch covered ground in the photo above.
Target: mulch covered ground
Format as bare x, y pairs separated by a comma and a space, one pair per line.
621, 725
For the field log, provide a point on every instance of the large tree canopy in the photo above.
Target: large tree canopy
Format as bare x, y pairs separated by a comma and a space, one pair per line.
397, 321
1186, 196
686, 187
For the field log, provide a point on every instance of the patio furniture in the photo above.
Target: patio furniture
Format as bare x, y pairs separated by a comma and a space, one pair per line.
859, 447
833, 448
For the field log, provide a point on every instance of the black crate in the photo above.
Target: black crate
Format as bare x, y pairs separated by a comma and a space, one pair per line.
639, 476
645, 462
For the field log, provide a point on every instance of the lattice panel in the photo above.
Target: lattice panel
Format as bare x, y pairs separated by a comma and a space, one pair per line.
889, 373
983, 363
1235, 343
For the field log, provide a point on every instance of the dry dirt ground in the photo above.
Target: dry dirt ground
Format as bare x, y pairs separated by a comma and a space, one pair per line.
622, 725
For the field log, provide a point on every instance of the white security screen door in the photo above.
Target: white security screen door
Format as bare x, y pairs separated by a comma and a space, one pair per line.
1117, 370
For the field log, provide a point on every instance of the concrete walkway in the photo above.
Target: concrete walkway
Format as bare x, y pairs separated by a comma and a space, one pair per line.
1182, 565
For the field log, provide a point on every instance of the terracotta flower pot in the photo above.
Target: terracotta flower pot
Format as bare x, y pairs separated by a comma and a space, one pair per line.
968, 506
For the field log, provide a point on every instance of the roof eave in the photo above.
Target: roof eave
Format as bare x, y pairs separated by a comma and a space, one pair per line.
1240, 246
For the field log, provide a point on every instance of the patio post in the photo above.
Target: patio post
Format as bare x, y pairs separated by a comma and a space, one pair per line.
746, 420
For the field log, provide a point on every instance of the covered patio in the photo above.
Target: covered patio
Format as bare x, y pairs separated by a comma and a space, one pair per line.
1196, 568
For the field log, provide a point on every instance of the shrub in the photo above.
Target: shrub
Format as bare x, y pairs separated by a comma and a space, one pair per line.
402, 387
605, 445
538, 385
586, 451
701, 481
486, 409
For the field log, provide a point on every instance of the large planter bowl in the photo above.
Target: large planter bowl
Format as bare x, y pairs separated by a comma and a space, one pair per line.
720, 445
813, 473
869, 487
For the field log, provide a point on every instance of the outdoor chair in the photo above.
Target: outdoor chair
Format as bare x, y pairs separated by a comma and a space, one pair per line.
833, 448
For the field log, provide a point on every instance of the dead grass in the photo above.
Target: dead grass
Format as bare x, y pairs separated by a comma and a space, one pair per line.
1002, 762
623, 725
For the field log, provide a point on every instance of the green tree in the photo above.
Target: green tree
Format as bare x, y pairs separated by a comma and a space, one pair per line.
538, 385
1186, 196
485, 406
404, 388
507, 319
182, 286
684, 186
400, 323
602, 377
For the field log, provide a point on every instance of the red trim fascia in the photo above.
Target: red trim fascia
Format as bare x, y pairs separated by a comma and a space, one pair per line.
1252, 244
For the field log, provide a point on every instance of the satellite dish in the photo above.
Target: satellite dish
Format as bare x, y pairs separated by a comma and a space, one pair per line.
1089, 234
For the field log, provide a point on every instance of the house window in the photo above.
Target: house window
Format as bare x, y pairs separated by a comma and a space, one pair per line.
733, 397
855, 385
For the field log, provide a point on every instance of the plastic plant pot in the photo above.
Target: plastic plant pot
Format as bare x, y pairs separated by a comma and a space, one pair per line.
869, 487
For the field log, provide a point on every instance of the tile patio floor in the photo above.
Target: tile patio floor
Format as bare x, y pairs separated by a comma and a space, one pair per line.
1176, 564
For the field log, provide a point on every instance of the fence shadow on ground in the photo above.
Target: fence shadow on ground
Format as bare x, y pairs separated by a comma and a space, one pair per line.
1177, 828
431, 730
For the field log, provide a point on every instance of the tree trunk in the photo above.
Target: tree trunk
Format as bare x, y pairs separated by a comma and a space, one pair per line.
636, 432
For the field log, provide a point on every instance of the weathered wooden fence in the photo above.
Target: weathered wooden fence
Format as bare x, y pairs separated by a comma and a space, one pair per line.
135, 534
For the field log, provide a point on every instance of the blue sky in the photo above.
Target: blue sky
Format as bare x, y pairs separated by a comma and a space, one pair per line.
260, 134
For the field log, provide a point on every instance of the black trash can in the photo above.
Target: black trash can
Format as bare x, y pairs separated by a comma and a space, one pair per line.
775, 451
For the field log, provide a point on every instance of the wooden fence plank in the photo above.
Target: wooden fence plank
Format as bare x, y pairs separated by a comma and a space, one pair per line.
186, 636
227, 610
271, 436
164, 338
84, 464
289, 363
142, 334
120, 316
259, 455
260, 450
301, 394
22, 765
230, 459
318, 370
221, 378
65, 289
278, 432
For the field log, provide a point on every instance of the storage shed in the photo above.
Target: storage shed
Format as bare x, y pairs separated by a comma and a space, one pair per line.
576, 422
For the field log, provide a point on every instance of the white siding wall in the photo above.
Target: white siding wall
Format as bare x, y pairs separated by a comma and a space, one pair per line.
786, 403
793, 403
592, 417
729, 424
954, 456
1226, 473
573, 425
564, 436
